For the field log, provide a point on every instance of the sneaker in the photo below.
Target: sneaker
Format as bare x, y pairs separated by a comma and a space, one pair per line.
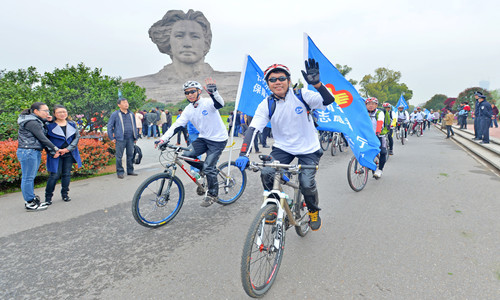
271, 218
208, 200
315, 220
377, 174
66, 198
48, 202
35, 205
390, 152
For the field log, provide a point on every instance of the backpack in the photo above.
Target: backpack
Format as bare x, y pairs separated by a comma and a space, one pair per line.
271, 104
387, 120
137, 155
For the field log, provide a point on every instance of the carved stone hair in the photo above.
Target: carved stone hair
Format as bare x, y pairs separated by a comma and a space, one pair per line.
161, 30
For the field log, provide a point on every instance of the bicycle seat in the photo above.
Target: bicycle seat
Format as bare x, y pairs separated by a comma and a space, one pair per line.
265, 158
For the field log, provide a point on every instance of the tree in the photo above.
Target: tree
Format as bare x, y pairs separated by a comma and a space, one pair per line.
495, 96
88, 92
436, 102
385, 86
18, 90
468, 96
344, 70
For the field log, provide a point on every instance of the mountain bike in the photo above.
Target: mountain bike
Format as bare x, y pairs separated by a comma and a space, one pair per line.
160, 197
400, 133
337, 143
357, 175
419, 128
325, 138
265, 241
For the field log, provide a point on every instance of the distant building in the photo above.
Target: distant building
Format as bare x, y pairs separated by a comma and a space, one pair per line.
485, 84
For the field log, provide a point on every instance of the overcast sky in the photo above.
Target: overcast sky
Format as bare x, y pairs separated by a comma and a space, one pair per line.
439, 46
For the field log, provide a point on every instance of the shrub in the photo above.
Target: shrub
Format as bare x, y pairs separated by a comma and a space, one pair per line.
94, 155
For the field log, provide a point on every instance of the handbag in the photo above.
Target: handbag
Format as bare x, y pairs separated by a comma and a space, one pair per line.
137, 155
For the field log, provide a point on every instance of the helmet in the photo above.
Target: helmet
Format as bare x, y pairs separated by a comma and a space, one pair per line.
191, 84
276, 67
419, 108
401, 106
371, 99
386, 104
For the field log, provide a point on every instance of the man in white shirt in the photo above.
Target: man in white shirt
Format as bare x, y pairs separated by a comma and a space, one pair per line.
418, 118
204, 115
293, 129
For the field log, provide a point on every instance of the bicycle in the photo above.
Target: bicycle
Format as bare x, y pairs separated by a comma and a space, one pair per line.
265, 241
325, 138
418, 129
160, 197
337, 143
400, 133
357, 175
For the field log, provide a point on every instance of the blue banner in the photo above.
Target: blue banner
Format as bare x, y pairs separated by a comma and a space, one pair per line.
402, 101
348, 113
253, 87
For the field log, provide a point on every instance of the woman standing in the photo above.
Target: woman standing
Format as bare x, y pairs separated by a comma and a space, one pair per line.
64, 134
31, 142
138, 121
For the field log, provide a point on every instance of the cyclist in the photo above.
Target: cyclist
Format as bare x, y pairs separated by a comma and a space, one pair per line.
418, 118
390, 118
293, 129
403, 118
377, 118
204, 115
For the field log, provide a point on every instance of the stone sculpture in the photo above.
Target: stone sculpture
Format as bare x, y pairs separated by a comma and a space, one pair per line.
186, 38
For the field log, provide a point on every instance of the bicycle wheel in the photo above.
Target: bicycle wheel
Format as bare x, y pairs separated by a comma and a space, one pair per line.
419, 130
158, 200
402, 134
300, 214
333, 150
262, 253
324, 140
340, 144
357, 175
230, 188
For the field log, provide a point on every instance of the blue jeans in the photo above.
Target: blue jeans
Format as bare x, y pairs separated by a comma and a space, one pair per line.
30, 162
63, 172
209, 167
192, 137
152, 130
121, 146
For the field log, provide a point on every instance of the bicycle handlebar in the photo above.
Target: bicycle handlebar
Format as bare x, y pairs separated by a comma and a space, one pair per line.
164, 147
277, 165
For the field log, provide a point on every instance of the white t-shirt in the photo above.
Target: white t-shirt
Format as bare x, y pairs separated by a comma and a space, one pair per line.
293, 130
205, 117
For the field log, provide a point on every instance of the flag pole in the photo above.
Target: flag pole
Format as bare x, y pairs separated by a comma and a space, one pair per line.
236, 103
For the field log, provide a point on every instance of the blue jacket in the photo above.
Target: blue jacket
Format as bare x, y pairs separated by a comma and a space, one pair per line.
56, 136
484, 110
116, 128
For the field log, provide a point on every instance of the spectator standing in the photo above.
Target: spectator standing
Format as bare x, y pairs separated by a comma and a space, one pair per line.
182, 130
448, 119
151, 120
494, 115
476, 120
122, 129
230, 122
138, 120
64, 134
169, 120
237, 123
163, 121
31, 141
483, 116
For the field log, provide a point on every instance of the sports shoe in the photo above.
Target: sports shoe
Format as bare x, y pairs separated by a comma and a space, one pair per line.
35, 205
66, 198
208, 200
390, 152
315, 220
271, 218
378, 173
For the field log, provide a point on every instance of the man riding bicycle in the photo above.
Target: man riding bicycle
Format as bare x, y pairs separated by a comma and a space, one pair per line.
293, 129
418, 118
377, 118
204, 115
390, 116
403, 118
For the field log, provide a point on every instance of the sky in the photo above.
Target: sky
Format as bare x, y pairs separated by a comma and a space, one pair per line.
439, 46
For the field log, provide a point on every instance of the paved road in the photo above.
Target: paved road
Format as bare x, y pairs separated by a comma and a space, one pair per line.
429, 229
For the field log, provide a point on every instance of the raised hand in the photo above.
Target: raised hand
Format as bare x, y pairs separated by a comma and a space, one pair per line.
210, 87
311, 75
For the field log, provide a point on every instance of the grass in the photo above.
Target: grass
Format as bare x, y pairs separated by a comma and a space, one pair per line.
41, 181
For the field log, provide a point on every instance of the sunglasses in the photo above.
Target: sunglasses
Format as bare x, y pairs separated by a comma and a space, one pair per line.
190, 92
274, 79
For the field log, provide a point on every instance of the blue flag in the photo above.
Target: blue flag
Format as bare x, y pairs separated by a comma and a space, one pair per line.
348, 113
252, 88
402, 101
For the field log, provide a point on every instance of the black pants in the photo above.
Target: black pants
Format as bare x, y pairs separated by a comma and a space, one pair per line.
383, 153
484, 129
391, 140
306, 176
265, 133
449, 129
64, 172
128, 145
183, 131
209, 167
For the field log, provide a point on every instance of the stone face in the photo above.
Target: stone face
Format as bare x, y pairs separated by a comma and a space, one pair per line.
186, 38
